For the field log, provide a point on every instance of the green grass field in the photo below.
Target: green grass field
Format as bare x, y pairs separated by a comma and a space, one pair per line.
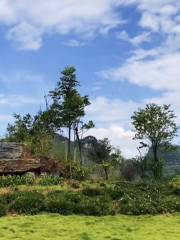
47, 227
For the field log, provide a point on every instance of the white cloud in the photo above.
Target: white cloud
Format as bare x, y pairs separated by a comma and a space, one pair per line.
74, 43
161, 73
156, 67
25, 36
21, 88
119, 138
17, 100
112, 119
137, 40
28, 20
104, 111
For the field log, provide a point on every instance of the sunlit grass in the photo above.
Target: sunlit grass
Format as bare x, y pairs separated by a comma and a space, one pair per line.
25, 188
47, 227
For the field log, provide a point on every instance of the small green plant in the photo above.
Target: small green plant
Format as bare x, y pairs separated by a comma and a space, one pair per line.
175, 184
10, 181
2, 210
92, 191
27, 203
63, 202
49, 180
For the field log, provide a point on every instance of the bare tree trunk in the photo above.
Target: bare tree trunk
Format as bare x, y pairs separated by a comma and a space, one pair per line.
69, 150
106, 173
157, 170
79, 145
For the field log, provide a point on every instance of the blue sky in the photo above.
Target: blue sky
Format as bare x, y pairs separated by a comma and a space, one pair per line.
127, 53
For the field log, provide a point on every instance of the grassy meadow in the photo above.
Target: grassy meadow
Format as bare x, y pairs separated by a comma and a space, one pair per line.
54, 227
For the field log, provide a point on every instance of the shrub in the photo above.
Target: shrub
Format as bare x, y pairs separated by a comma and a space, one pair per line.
78, 172
49, 180
8, 181
2, 210
130, 170
96, 206
63, 202
27, 203
73, 183
175, 184
91, 192
122, 197
75, 203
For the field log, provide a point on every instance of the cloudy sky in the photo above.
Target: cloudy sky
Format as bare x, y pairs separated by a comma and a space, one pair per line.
127, 53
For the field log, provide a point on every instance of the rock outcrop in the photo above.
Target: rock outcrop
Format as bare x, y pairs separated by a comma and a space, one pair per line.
13, 160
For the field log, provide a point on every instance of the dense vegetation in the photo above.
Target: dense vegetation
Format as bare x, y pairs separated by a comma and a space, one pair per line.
88, 176
154, 126
87, 198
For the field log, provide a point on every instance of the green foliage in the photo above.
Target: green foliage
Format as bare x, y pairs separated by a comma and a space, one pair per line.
155, 126
131, 169
77, 172
2, 210
97, 206
80, 172
36, 132
137, 199
10, 181
75, 203
49, 180
175, 184
27, 203
93, 191
103, 153
63, 203
94, 199
68, 105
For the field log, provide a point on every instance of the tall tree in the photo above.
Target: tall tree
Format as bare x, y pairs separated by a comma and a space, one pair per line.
156, 126
68, 104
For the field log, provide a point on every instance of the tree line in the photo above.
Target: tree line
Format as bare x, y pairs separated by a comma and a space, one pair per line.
154, 126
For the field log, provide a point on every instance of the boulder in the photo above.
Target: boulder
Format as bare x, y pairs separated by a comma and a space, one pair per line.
13, 159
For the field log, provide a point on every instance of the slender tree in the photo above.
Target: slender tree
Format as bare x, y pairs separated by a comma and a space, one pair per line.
69, 105
79, 129
155, 125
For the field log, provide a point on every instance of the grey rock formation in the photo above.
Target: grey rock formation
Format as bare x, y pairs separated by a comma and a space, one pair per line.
10, 151
13, 160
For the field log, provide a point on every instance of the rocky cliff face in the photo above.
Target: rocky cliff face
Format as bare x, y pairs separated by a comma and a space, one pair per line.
11, 151
13, 160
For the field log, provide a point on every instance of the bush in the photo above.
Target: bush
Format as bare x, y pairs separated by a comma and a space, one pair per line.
122, 197
10, 181
96, 206
92, 192
2, 210
49, 180
63, 202
137, 199
75, 203
27, 203
130, 170
78, 172
175, 185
